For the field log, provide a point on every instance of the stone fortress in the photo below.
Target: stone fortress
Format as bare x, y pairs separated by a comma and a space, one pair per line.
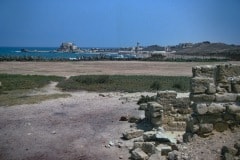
212, 106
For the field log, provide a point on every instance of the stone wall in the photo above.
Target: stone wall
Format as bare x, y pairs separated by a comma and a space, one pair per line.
215, 92
168, 111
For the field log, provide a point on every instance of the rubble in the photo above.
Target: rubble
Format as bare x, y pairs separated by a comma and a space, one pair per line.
212, 106
132, 133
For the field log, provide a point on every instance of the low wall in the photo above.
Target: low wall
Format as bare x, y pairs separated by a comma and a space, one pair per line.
168, 111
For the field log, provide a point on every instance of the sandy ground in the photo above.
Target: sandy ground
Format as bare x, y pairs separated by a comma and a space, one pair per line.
101, 67
82, 126
78, 127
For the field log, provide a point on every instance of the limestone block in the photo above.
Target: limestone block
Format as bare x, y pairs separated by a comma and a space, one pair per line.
205, 128
225, 71
132, 133
202, 97
216, 108
211, 88
167, 94
183, 102
200, 84
200, 108
157, 156
224, 87
203, 71
233, 108
164, 149
226, 97
149, 136
147, 147
154, 106
138, 154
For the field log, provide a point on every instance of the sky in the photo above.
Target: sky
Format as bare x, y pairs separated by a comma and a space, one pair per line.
118, 23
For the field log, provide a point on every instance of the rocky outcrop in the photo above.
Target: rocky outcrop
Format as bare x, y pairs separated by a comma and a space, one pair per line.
215, 94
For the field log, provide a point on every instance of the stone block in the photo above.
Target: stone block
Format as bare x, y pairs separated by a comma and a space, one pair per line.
233, 108
226, 70
224, 87
200, 84
133, 133
203, 71
200, 108
226, 97
216, 108
154, 106
202, 97
211, 88
149, 136
138, 154
183, 102
167, 94
147, 147
164, 149
205, 128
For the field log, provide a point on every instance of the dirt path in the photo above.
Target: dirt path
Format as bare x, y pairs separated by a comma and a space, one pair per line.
101, 67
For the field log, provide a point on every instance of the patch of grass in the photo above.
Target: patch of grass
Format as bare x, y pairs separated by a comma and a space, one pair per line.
19, 97
132, 83
16, 82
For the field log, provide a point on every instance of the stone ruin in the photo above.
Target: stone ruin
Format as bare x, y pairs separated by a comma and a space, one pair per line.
168, 111
213, 105
215, 93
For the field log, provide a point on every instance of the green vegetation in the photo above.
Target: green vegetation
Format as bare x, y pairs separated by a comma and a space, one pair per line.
16, 89
145, 99
133, 83
16, 82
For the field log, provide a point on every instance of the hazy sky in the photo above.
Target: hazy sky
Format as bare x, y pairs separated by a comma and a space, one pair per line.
118, 23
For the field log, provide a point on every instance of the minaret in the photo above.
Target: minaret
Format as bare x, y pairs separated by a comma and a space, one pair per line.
137, 47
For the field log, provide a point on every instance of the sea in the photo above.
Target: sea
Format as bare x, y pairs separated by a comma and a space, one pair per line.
49, 53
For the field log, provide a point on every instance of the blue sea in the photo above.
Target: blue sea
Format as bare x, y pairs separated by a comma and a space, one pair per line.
50, 54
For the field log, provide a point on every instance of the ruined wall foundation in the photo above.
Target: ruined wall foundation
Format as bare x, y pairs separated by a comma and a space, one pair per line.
215, 93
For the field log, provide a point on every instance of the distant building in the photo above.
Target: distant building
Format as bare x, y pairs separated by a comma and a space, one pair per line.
68, 47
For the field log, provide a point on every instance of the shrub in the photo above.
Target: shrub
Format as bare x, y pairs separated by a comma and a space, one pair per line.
145, 99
